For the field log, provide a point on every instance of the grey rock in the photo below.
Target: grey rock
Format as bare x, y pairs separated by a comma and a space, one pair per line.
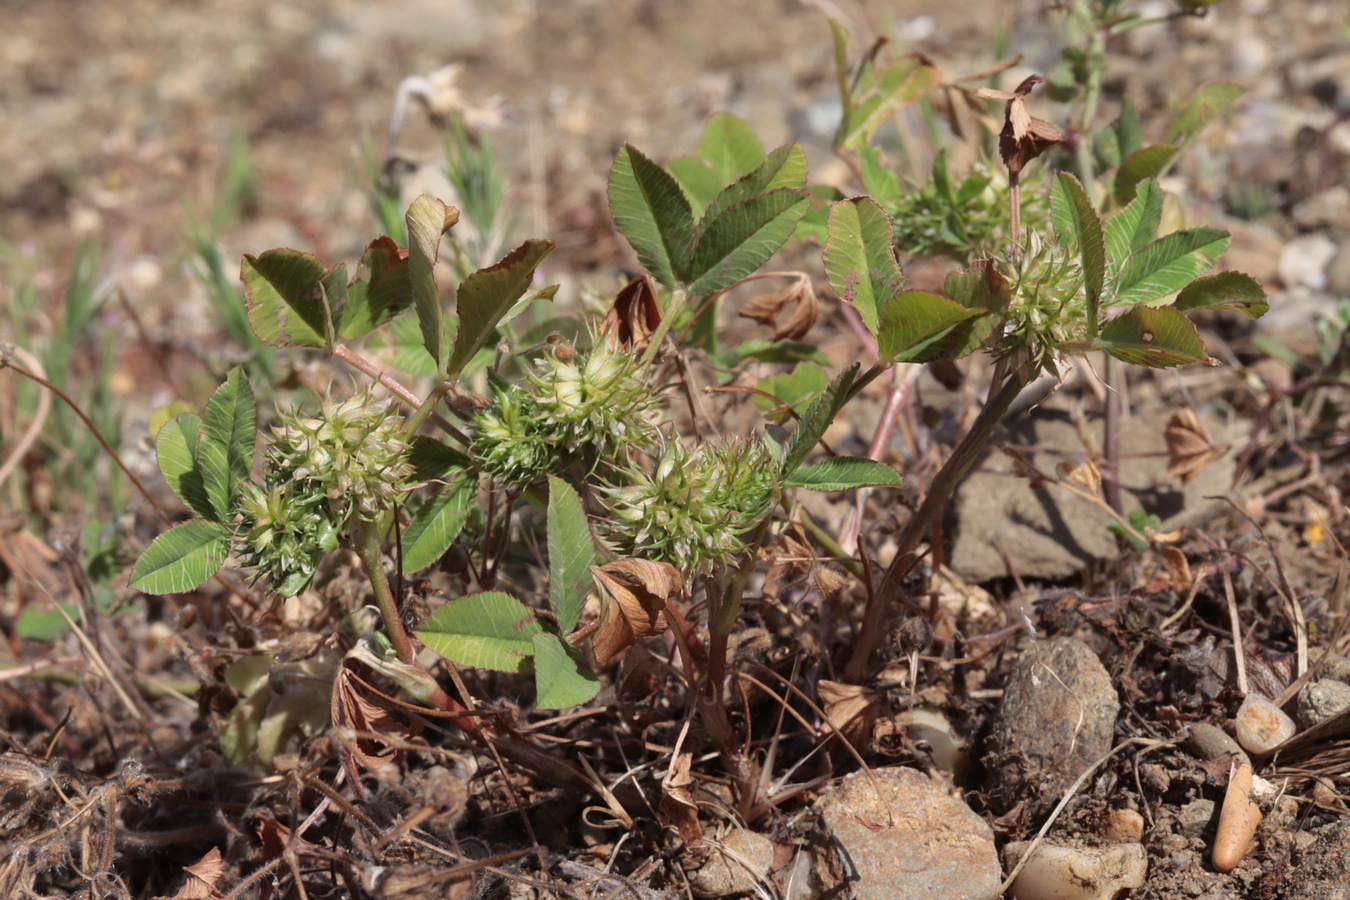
1057, 717
1338, 272
1210, 742
1321, 700
739, 863
1195, 817
1304, 261
1327, 209
998, 521
902, 837
1323, 871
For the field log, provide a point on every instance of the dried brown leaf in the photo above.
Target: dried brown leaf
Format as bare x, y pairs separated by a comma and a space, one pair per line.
1188, 446
1023, 137
202, 877
352, 709
633, 593
766, 308
1085, 474
851, 708
677, 797
634, 317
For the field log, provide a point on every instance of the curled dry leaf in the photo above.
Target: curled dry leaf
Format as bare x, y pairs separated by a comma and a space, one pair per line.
677, 797
633, 593
1023, 137
352, 709
1084, 474
1188, 447
850, 708
634, 316
201, 878
1178, 569
766, 308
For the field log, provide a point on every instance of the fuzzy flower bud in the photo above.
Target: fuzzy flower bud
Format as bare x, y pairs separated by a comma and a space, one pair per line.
695, 505
573, 411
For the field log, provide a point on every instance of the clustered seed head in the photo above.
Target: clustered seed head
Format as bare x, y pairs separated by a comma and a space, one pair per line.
1050, 306
572, 412
694, 507
350, 460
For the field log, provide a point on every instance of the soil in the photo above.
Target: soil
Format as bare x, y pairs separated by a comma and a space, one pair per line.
124, 123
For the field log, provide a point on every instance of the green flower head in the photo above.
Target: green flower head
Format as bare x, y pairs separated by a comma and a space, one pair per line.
694, 507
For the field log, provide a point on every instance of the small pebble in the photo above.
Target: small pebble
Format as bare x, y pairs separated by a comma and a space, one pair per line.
1304, 260
932, 727
1194, 817
1210, 742
739, 863
1124, 826
1261, 725
1322, 700
1076, 873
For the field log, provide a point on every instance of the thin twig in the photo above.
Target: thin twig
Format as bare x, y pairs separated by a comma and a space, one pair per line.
1236, 625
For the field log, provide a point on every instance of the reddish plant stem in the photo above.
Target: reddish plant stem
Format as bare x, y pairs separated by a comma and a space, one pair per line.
944, 483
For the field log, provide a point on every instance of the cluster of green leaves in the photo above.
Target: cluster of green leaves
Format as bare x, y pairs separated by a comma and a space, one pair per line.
1109, 299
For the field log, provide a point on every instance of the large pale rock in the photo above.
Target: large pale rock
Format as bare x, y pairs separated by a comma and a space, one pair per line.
902, 837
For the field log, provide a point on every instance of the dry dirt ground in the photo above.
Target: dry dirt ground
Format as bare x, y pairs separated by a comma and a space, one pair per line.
119, 119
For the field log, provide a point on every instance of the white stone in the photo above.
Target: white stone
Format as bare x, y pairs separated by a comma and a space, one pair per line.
1261, 725
1304, 261
1076, 873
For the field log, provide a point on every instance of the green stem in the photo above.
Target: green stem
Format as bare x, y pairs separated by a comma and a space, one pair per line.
677, 301
1087, 120
366, 542
944, 484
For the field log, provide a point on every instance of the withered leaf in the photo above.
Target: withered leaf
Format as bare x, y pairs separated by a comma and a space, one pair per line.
677, 797
766, 308
1085, 474
633, 593
634, 316
851, 708
1023, 137
1188, 447
351, 708
201, 878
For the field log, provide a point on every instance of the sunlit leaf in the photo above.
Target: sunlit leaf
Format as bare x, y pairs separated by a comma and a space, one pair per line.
1226, 290
176, 449
1169, 264
1132, 228
652, 212
284, 293
1158, 338
491, 630
182, 558
571, 553
1139, 166
225, 451
860, 258
844, 473
562, 676
437, 522
1075, 217
381, 292
742, 237
428, 219
486, 295
917, 326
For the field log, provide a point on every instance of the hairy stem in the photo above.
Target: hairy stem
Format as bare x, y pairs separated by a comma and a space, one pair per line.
951, 474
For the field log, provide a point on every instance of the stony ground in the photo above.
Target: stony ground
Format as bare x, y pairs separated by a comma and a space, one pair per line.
120, 118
